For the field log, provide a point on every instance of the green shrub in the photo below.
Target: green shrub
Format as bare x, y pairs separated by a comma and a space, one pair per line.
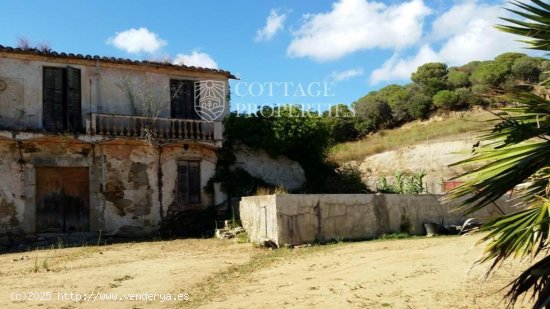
445, 99
457, 78
403, 184
431, 77
490, 74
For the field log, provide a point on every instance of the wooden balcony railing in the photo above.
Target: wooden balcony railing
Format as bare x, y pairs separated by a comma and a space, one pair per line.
163, 128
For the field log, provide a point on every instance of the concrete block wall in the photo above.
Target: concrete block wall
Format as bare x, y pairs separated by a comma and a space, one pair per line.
303, 218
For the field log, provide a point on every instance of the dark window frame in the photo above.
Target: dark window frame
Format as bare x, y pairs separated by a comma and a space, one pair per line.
183, 99
62, 99
192, 193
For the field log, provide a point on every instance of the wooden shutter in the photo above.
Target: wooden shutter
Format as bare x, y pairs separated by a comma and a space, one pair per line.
189, 183
176, 99
183, 184
194, 183
73, 92
53, 113
182, 102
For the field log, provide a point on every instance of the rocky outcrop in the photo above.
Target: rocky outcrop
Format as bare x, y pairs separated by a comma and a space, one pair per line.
280, 171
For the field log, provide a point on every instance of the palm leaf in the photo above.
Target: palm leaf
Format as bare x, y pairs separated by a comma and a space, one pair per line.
539, 27
535, 279
515, 155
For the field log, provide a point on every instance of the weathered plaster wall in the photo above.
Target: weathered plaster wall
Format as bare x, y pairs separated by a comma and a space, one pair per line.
258, 216
129, 188
279, 171
23, 95
303, 218
123, 181
170, 158
11, 189
21, 101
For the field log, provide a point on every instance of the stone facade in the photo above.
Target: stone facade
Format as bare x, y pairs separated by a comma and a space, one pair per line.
132, 179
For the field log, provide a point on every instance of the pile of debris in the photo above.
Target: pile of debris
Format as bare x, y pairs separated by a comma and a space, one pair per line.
230, 230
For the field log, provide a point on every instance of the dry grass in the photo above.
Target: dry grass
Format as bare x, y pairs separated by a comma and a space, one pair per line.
410, 134
271, 190
210, 288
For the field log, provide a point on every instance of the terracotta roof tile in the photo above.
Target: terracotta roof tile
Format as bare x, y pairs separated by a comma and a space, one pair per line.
54, 54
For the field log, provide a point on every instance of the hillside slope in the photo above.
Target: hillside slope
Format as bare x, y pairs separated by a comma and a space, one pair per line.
435, 129
432, 158
429, 146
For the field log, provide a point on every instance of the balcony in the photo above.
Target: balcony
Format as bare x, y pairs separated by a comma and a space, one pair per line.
111, 125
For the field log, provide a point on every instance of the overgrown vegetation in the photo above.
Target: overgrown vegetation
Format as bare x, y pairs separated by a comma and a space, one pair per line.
517, 157
307, 137
404, 183
300, 135
386, 140
438, 89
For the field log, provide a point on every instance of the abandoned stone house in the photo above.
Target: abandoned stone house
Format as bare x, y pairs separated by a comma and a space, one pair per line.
91, 143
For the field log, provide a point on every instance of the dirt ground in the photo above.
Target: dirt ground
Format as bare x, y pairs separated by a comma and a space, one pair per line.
410, 273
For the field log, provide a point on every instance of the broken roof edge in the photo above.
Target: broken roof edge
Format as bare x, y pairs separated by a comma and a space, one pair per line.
144, 63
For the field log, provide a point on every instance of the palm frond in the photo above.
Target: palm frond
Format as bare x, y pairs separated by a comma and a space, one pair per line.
515, 155
520, 234
537, 26
535, 279
517, 152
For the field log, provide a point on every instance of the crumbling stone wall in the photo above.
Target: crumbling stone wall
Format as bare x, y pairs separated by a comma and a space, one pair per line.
124, 182
11, 191
170, 157
129, 182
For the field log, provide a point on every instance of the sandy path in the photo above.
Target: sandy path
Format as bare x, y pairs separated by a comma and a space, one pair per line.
413, 273
154, 267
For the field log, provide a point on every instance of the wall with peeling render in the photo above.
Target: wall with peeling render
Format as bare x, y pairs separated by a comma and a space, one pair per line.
303, 218
12, 202
125, 181
21, 101
132, 187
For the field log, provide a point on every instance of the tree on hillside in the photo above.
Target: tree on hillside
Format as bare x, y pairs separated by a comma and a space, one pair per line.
491, 74
457, 78
445, 99
526, 70
419, 105
372, 113
466, 98
341, 123
470, 67
431, 77
508, 59
397, 97
516, 156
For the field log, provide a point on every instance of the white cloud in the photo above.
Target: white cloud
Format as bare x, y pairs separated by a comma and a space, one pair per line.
274, 23
137, 40
197, 59
397, 68
338, 76
465, 32
354, 25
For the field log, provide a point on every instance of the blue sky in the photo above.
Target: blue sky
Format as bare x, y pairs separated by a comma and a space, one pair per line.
356, 45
